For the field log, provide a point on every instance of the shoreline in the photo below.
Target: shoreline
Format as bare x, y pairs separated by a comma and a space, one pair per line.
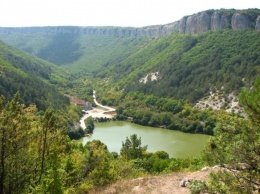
97, 112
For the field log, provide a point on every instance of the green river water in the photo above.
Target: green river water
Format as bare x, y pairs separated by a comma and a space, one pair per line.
177, 144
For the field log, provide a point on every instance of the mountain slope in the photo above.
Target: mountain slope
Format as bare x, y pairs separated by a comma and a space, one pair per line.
78, 53
190, 66
208, 51
94, 48
31, 77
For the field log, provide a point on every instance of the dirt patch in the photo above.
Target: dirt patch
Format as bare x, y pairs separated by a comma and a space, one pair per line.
163, 184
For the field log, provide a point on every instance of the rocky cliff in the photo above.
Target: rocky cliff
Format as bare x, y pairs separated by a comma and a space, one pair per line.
193, 24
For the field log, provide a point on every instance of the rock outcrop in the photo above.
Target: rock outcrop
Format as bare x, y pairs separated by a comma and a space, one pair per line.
193, 24
240, 22
257, 25
219, 21
198, 23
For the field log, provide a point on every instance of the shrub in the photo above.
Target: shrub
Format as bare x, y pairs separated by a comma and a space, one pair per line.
197, 186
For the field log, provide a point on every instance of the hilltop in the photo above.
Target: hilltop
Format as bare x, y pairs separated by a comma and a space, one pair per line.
193, 24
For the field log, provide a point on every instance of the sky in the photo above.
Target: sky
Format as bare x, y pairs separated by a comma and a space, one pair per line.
126, 13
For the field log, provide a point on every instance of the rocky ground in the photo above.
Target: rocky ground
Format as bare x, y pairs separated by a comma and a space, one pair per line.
218, 101
163, 184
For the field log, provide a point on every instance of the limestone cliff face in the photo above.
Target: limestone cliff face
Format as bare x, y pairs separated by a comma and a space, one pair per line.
257, 26
182, 25
194, 24
219, 21
240, 22
198, 23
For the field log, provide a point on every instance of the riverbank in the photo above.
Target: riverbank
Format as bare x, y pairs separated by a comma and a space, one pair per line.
100, 111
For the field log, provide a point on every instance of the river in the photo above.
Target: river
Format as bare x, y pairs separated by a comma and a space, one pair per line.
177, 144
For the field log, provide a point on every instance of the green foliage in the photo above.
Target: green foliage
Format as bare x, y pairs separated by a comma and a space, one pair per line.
190, 66
25, 62
225, 183
131, 148
36, 156
127, 169
14, 139
89, 125
30, 77
72, 114
69, 53
99, 169
36, 144
30, 158
236, 145
155, 163
76, 133
250, 101
197, 187
90, 53
173, 114
162, 154
152, 163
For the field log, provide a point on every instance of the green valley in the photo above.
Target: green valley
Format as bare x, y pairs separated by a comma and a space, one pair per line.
153, 76
36, 80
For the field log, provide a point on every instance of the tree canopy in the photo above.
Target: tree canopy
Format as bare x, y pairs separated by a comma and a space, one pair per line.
236, 146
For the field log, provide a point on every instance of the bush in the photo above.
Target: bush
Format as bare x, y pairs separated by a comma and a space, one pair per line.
197, 186
76, 134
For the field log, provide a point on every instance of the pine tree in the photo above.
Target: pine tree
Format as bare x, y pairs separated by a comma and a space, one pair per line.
15, 159
236, 145
131, 148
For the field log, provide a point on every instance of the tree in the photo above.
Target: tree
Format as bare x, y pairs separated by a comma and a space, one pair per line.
49, 148
131, 148
32, 150
236, 145
98, 169
162, 154
15, 158
89, 125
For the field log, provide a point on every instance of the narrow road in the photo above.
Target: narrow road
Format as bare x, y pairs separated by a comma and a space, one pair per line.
97, 112
100, 105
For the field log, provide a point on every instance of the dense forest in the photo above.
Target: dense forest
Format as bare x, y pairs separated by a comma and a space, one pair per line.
172, 114
188, 67
37, 156
32, 77
152, 81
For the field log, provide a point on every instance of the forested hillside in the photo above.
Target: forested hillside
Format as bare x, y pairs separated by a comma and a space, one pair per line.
188, 67
150, 80
36, 80
78, 53
38, 145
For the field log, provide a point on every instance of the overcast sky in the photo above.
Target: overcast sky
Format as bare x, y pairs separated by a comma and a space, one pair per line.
135, 13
